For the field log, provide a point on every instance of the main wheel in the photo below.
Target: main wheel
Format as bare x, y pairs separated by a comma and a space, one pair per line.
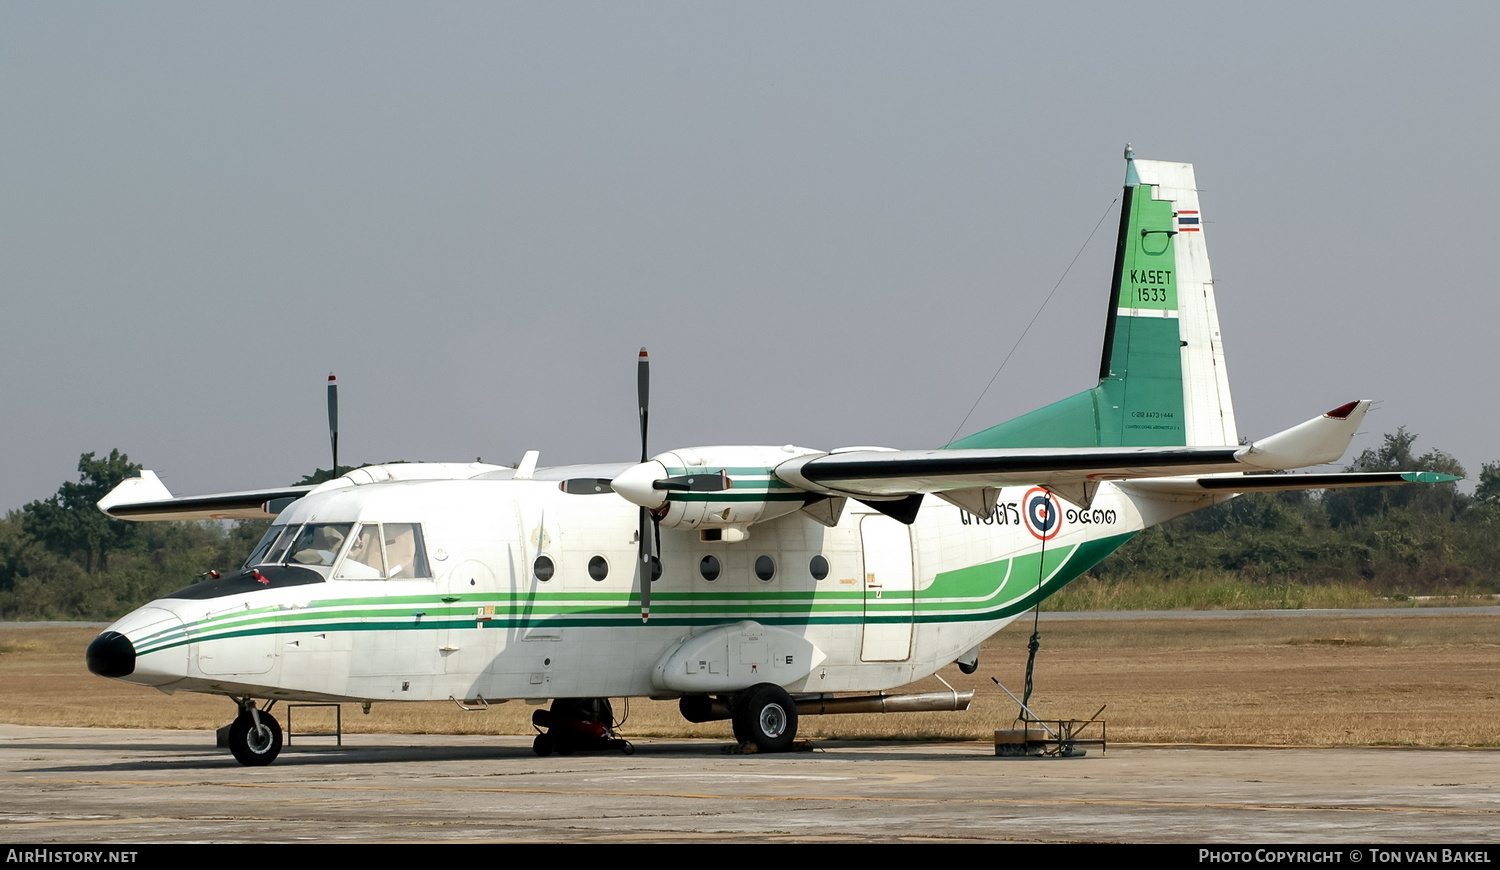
543, 745
741, 732
253, 746
766, 716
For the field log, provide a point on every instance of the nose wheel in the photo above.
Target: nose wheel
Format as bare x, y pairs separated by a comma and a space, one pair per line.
254, 736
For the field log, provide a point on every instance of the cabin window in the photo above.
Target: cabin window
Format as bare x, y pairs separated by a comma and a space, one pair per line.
818, 567
709, 567
598, 568
765, 567
543, 568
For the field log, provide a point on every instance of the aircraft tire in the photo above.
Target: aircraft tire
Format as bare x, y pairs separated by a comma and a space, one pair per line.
543, 745
968, 669
254, 749
767, 716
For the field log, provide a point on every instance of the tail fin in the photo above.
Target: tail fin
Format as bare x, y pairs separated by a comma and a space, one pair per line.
1162, 378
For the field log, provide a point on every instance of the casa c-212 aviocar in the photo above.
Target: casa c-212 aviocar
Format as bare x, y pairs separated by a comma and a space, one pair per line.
753, 583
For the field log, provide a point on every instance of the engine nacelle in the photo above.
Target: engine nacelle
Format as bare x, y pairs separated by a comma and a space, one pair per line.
754, 494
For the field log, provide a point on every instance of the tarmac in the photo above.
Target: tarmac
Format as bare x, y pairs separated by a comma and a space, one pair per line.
75, 786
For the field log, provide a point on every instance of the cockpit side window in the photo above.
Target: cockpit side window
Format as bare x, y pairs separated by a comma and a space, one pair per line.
385, 551
318, 544
364, 560
405, 551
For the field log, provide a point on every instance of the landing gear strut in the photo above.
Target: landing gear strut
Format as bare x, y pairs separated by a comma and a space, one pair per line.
766, 716
254, 736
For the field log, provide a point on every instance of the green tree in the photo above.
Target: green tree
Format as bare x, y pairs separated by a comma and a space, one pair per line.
70, 524
323, 475
1488, 491
1351, 506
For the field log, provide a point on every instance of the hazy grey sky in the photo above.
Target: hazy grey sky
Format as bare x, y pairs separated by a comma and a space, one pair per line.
828, 221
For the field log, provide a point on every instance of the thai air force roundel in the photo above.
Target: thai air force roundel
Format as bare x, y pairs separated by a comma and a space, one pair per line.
1043, 514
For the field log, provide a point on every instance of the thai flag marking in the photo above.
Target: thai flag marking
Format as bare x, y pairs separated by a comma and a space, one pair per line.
1187, 222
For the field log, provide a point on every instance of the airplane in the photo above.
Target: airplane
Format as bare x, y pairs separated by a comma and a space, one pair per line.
755, 584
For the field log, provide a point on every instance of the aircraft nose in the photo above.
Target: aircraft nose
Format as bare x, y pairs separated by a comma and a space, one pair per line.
111, 655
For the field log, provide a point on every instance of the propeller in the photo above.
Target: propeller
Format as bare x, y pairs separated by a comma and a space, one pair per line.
649, 560
646, 484
333, 419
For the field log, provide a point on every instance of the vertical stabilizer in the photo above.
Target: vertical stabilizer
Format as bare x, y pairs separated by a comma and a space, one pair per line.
1162, 378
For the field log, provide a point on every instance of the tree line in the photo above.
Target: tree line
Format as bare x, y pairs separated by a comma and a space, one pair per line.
1392, 540
61, 558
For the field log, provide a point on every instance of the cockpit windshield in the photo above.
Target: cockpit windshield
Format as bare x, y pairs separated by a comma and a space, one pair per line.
375, 551
313, 545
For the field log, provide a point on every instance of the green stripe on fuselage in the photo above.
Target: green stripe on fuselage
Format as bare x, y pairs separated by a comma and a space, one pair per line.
995, 590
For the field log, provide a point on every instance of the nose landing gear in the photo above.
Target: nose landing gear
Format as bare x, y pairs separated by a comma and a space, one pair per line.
254, 735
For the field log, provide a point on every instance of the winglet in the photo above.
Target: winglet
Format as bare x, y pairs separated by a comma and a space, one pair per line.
1320, 440
146, 488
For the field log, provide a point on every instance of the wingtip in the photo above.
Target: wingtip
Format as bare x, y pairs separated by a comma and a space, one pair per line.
1429, 477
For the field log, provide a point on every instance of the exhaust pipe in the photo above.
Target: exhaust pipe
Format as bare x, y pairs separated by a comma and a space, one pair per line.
921, 702
702, 708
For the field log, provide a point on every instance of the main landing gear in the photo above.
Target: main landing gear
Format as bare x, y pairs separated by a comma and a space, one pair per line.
763, 716
766, 716
254, 735
577, 723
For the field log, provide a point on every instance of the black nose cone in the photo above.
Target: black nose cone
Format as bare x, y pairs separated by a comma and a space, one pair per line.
111, 655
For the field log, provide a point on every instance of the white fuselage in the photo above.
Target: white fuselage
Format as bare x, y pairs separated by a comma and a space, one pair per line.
865, 605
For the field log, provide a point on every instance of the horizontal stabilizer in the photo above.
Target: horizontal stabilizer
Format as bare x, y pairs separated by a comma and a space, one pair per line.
147, 498
1196, 486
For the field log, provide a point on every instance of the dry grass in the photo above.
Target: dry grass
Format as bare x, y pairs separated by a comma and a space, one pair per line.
1312, 680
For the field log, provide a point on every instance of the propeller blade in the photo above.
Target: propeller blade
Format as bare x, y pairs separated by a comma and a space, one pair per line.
648, 560
715, 482
643, 395
646, 565
333, 419
586, 485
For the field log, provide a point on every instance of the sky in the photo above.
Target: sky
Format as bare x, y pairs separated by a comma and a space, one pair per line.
829, 222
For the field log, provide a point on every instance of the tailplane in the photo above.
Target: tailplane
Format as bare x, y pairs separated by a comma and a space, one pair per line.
1162, 377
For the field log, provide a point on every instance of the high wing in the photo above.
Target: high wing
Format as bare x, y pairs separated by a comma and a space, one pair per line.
147, 498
